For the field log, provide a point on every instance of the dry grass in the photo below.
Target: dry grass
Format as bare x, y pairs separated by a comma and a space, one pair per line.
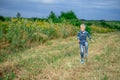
59, 60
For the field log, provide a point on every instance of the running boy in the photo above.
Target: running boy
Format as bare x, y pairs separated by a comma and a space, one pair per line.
82, 39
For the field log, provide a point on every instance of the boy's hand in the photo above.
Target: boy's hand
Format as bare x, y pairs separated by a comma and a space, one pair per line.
92, 40
79, 41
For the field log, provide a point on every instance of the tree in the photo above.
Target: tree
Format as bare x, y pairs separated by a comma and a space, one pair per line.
53, 16
68, 15
18, 15
2, 18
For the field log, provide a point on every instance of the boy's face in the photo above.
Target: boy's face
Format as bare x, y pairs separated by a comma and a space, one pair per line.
82, 28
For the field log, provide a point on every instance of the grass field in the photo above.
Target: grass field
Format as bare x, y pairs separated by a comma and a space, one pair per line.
59, 60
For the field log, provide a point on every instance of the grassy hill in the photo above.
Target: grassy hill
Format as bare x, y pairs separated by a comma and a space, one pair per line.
59, 60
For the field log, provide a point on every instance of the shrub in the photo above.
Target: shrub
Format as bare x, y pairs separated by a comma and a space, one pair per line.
98, 29
22, 33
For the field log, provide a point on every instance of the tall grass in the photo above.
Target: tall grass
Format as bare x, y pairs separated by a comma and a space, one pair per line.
98, 29
20, 34
61, 60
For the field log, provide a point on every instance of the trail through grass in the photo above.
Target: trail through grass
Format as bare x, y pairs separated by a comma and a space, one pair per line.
60, 60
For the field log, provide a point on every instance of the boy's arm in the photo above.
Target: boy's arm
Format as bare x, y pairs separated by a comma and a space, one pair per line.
78, 37
89, 36
92, 40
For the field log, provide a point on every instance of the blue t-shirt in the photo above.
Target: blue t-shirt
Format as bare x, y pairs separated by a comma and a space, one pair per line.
82, 36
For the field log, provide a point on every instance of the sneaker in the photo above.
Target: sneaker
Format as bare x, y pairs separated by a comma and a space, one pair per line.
82, 61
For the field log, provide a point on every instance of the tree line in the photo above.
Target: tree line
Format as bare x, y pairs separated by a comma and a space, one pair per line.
69, 17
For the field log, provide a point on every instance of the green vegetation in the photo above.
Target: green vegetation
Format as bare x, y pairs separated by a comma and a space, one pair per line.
19, 33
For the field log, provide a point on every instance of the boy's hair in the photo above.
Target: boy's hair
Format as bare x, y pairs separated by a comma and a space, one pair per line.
83, 25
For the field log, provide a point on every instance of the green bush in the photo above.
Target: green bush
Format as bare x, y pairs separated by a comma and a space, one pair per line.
98, 29
22, 33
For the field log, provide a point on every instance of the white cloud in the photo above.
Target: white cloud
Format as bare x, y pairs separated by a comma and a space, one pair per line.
46, 1
106, 5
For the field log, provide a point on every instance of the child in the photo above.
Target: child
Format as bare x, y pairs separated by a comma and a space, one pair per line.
82, 35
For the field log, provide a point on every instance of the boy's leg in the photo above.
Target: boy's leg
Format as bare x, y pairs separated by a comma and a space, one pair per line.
86, 51
82, 53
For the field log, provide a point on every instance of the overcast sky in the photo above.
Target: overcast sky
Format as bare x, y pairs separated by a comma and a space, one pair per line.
84, 9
